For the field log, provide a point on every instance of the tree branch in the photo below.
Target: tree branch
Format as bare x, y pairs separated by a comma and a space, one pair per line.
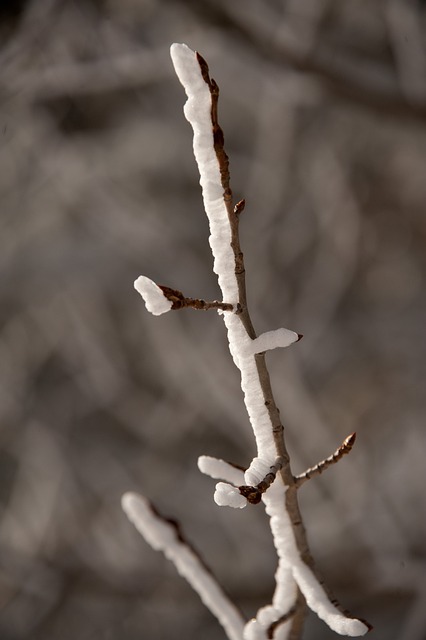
281, 499
269, 477
344, 448
164, 534
179, 301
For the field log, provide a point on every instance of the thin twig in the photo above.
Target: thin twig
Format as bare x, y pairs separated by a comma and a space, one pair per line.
344, 448
179, 301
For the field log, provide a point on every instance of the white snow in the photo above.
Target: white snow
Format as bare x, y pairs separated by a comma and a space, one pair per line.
162, 536
154, 298
198, 113
226, 495
240, 345
273, 339
286, 588
220, 470
257, 470
155, 530
290, 560
254, 631
318, 601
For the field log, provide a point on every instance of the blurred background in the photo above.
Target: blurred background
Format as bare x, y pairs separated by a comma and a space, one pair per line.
323, 104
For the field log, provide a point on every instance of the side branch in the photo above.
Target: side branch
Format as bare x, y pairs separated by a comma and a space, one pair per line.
179, 301
165, 535
344, 448
160, 299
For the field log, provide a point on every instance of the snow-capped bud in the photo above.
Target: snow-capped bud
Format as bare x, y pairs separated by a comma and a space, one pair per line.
228, 496
154, 298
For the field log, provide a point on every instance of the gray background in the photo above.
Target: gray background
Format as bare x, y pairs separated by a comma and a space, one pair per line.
323, 104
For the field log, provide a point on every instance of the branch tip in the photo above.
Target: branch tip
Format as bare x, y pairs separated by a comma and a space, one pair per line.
349, 441
344, 448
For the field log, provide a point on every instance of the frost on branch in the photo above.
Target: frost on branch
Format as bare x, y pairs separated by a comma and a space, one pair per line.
198, 111
154, 298
164, 535
269, 477
220, 470
274, 339
226, 495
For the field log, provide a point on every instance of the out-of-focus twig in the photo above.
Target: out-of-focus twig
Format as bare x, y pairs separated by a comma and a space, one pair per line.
125, 71
408, 46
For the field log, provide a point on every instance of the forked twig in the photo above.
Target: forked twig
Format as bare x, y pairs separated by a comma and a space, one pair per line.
269, 477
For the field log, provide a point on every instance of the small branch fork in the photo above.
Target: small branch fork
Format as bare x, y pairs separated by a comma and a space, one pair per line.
254, 494
344, 448
298, 566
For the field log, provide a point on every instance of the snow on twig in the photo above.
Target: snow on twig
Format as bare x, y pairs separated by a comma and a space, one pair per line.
269, 477
201, 111
274, 339
220, 470
197, 111
226, 495
164, 535
155, 300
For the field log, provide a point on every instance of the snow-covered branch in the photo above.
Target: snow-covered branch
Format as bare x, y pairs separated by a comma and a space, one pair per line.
269, 477
164, 535
221, 470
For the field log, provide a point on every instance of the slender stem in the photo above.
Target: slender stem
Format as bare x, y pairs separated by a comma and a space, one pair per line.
344, 448
179, 301
202, 305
